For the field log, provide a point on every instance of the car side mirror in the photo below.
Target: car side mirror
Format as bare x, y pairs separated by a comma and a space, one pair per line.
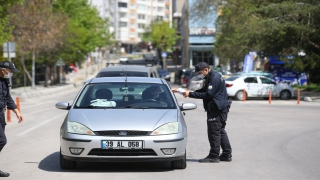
188, 106
63, 106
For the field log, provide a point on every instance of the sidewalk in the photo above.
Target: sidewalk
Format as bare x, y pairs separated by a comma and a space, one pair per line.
73, 80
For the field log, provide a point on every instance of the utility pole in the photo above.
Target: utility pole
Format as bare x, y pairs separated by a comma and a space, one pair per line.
9, 58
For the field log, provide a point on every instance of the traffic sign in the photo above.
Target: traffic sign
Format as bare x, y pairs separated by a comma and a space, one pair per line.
164, 54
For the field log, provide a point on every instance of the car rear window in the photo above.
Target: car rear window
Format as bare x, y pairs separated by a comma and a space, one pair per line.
122, 73
232, 78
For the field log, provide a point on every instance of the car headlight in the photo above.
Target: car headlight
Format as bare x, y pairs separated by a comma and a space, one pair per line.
169, 128
77, 128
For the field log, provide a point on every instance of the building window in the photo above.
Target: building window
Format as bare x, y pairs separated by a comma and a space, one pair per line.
140, 35
132, 25
142, 7
122, 5
123, 24
141, 26
159, 18
160, 9
141, 16
132, 5
122, 15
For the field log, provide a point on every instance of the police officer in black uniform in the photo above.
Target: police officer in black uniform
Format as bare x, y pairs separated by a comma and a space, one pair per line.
216, 104
6, 71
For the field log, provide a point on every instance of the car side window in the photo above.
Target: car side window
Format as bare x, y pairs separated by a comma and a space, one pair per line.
266, 81
251, 80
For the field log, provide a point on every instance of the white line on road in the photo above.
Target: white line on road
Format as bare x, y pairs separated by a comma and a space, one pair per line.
39, 125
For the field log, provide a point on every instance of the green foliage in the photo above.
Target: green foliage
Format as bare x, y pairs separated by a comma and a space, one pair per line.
161, 35
85, 30
5, 29
311, 87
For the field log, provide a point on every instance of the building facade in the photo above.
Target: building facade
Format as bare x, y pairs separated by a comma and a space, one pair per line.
197, 37
129, 18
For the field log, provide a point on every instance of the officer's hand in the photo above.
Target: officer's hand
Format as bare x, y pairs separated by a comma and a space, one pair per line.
174, 90
186, 94
19, 116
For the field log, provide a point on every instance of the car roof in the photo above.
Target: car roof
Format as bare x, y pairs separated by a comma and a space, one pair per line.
129, 79
126, 68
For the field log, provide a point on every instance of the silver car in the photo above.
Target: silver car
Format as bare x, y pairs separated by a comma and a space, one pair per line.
119, 119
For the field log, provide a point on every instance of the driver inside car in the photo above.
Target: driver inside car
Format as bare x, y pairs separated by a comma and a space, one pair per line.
151, 93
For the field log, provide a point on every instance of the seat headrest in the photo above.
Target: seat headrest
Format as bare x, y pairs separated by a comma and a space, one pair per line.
103, 94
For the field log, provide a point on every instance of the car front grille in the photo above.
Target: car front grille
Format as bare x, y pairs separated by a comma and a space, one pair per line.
122, 152
122, 133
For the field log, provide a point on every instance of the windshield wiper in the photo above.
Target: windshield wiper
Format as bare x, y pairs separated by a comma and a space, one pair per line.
136, 107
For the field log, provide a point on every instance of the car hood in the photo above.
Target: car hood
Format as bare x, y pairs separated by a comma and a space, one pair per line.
123, 119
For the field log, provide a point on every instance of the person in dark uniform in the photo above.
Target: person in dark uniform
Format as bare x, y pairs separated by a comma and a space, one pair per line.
217, 105
6, 71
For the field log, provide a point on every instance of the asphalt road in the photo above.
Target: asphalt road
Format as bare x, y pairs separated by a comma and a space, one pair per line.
269, 141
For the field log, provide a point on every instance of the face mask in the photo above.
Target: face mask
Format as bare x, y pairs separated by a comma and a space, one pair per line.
8, 76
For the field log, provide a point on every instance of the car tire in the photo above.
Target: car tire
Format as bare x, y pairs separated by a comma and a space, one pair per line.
67, 164
181, 163
239, 95
285, 95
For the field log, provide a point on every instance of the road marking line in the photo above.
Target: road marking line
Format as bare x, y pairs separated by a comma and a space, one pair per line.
39, 125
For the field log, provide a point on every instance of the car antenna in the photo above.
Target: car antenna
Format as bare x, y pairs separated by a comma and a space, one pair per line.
126, 72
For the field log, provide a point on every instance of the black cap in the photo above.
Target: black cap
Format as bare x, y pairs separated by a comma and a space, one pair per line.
8, 65
200, 66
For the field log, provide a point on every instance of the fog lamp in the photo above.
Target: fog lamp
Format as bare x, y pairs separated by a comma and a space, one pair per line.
168, 151
76, 151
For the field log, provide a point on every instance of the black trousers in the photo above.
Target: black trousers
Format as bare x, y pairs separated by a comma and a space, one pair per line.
217, 135
3, 139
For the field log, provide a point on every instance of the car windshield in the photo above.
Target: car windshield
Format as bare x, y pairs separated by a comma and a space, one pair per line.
122, 73
125, 95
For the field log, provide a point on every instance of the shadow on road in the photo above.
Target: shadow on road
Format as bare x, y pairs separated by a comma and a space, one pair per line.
52, 163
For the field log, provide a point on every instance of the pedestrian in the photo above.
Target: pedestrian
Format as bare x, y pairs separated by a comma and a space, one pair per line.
6, 71
216, 104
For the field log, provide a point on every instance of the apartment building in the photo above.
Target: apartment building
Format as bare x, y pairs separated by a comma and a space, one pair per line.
129, 18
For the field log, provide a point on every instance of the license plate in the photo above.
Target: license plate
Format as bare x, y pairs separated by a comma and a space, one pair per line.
122, 144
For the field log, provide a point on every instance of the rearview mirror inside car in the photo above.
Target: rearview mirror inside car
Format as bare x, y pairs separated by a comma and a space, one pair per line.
126, 88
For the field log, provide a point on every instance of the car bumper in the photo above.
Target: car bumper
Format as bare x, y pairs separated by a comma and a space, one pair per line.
150, 143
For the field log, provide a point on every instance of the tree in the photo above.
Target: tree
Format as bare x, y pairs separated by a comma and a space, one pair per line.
161, 35
37, 27
5, 28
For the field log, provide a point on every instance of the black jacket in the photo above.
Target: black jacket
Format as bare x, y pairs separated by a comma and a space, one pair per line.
213, 90
5, 97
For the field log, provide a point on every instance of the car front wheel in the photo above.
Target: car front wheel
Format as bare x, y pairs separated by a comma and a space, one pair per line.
285, 95
181, 163
67, 164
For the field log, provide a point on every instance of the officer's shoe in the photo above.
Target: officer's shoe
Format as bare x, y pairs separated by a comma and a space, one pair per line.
210, 159
226, 157
4, 174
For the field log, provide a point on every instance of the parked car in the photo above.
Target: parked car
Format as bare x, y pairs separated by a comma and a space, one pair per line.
187, 74
114, 119
163, 73
257, 86
129, 70
123, 59
149, 57
195, 83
